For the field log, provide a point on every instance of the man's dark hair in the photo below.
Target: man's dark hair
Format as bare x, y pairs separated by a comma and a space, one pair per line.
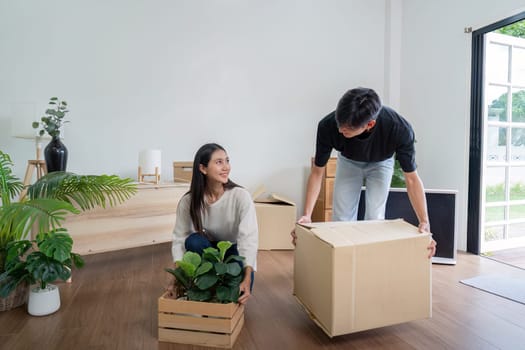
357, 107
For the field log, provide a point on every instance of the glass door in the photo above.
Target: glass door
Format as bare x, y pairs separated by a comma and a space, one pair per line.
502, 220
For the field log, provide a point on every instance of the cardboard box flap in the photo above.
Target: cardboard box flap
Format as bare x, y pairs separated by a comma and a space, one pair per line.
340, 234
272, 198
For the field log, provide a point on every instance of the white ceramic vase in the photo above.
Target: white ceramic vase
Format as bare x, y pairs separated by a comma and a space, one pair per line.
43, 301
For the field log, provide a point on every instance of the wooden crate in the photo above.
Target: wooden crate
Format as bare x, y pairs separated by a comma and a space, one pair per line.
199, 323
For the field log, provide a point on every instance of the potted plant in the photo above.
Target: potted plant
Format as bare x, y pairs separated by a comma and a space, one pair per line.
55, 152
41, 261
49, 201
211, 277
205, 309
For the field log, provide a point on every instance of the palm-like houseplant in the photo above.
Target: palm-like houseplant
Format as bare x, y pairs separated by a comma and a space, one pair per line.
50, 199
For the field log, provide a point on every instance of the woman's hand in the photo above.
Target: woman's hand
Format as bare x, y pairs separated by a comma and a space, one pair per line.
170, 285
244, 287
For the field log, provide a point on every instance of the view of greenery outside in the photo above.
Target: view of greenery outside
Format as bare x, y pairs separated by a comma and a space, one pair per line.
496, 193
518, 98
515, 29
518, 116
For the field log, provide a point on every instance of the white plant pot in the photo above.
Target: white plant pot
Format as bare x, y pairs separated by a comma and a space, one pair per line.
43, 301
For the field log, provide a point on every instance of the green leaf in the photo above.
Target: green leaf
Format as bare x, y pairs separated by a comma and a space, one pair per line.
18, 218
188, 268
56, 244
10, 282
45, 269
205, 267
192, 258
77, 260
223, 247
233, 269
232, 281
199, 295
221, 268
85, 191
17, 249
227, 294
206, 281
234, 257
54, 98
10, 185
180, 276
211, 254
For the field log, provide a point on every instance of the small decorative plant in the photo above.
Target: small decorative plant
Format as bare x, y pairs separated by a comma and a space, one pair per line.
44, 260
210, 277
53, 119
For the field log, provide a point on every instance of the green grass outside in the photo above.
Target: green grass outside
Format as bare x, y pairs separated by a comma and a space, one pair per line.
496, 193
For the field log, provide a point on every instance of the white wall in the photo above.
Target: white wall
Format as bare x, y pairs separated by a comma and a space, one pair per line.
435, 86
254, 76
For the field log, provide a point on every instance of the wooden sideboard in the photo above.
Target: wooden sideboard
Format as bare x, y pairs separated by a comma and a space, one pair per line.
146, 218
323, 206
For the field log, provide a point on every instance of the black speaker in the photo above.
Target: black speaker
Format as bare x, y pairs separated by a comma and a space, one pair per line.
441, 205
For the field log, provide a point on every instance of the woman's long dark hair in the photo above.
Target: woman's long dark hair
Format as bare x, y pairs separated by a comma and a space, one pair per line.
198, 183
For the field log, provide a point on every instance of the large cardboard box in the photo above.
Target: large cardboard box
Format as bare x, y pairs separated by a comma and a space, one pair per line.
353, 276
276, 218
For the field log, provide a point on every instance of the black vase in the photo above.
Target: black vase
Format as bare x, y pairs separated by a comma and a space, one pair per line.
55, 154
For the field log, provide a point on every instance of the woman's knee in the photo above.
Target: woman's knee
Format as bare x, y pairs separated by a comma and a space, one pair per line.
196, 243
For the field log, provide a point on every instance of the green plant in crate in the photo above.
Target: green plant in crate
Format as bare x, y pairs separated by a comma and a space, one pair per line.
210, 277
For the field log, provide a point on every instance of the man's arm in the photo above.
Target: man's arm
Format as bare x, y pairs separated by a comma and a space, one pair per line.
418, 200
313, 188
416, 194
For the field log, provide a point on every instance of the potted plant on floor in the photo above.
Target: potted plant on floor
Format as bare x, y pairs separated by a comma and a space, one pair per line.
49, 201
46, 259
204, 309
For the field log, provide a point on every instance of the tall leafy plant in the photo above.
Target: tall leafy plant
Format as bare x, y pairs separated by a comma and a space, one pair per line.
210, 277
50, 199
18, 218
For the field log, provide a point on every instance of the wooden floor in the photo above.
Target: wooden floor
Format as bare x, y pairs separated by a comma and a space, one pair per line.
514, 256
112, 304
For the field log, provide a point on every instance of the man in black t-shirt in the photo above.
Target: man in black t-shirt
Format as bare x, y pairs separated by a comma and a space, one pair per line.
366, 135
